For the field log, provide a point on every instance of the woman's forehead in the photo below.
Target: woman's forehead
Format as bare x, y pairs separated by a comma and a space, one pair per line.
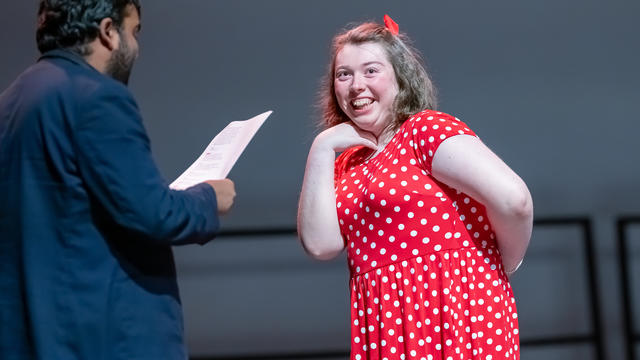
364, 52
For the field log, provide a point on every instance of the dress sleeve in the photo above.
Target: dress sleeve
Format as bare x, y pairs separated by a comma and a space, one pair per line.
116, 165
429, 129
344, 162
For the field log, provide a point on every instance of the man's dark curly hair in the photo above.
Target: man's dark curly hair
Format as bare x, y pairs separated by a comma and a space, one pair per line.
73, 24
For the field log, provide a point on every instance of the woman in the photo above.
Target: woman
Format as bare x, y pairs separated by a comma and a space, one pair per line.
433, 221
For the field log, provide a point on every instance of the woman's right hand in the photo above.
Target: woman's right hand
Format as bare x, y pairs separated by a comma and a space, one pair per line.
343, 136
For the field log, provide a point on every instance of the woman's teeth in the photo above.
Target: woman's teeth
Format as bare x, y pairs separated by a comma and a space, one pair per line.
358, 103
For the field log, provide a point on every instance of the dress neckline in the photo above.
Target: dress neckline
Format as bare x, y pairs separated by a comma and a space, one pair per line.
375, 155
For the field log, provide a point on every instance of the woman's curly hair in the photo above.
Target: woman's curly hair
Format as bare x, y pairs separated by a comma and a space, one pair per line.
415, 89
72, 24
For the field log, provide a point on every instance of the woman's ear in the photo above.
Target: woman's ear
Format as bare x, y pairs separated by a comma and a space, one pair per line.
108, 34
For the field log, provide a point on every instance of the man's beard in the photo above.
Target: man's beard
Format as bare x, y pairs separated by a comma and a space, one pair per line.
121, 62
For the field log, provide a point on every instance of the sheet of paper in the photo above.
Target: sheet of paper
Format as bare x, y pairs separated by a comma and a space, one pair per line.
222, 153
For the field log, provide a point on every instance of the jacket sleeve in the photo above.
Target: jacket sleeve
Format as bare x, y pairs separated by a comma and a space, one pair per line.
114, 159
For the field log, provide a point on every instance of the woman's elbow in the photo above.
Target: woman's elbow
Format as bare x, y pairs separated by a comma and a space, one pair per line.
325, 254
320, 251
519, 203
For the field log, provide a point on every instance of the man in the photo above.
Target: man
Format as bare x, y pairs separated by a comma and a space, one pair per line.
86, 220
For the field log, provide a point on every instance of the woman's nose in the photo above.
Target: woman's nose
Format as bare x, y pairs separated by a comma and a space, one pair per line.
357, 85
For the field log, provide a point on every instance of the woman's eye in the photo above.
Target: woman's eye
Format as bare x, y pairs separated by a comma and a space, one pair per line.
371, 70
341, 74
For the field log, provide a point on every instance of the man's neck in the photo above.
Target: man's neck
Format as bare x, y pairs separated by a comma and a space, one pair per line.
98, 57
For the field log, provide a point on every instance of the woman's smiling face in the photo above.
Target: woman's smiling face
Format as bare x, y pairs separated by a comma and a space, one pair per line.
365, 86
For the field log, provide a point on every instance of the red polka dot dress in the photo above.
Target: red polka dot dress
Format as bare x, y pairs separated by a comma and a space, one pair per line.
426, 276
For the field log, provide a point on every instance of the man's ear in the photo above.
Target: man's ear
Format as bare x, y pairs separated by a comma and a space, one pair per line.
108, 34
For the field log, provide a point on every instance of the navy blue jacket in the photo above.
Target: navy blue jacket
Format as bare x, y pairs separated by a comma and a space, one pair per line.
87, 222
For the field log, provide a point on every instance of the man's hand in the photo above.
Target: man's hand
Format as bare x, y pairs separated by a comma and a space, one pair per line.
225, 193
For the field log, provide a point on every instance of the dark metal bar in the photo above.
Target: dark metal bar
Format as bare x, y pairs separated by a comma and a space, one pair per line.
593, 288
630, 337
558, 340
580, 220
258, 232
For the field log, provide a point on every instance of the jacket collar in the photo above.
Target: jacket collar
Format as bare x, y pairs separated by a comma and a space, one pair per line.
67, 55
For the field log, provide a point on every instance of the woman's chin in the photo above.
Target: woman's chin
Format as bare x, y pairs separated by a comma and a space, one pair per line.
370, 124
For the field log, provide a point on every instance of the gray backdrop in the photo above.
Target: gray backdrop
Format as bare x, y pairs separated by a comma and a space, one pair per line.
550, 86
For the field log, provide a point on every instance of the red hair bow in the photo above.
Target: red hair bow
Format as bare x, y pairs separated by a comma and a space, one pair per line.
391, 25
